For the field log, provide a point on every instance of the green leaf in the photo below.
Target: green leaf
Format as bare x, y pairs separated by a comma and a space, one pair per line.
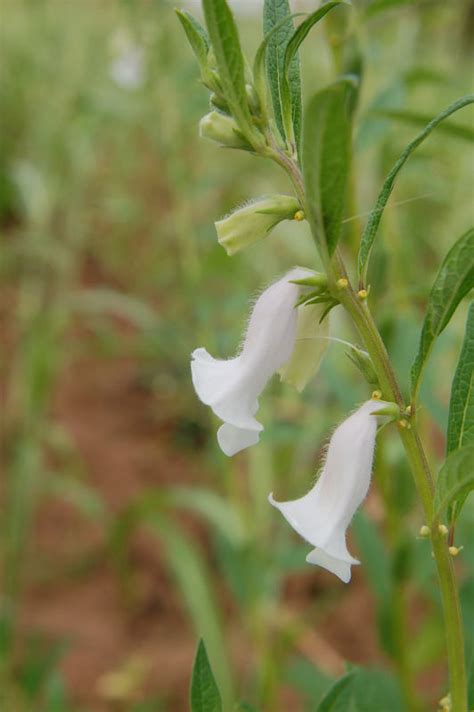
418, 119
274, 12
259, 61
363, 690
461, 406
230, 62
205, 696
188, 567
219, 512
290, 82
326, 160
453, 281
196, 34
338, 698
376, 215
455, 479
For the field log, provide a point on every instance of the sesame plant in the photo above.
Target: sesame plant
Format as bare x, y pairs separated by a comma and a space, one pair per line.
258, 108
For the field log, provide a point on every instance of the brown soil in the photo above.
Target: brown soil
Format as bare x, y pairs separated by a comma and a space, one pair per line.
74, 591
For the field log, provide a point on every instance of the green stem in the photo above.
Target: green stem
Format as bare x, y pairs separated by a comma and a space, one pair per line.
358, 310
423, 477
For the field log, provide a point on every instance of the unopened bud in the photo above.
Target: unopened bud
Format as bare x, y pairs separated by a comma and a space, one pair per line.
218, 101
342, 283
222, 129
362, 294
376, 395
362, 360
425, 531
254, 221
443, 529
252, 98
454, 550
299, 216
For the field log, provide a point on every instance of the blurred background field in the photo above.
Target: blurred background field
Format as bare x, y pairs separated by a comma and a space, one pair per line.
125, 533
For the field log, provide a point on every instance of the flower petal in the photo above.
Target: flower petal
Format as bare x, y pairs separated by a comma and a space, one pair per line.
232, 440
339, 567
232, 387
324, 513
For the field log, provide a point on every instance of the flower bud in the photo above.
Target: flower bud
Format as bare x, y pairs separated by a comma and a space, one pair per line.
362, 360
254, 221
252, 98
222, 129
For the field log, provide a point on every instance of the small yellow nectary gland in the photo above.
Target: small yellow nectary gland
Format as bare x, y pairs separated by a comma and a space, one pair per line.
408, 410
445, 703
443, 529
376, 395
342, 283
362, 293
425, 530
404, 424
299, 216
454, 550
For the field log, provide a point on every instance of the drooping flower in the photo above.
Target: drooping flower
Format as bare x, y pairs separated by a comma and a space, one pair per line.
311, 343
324, 513
232, 388
254, 221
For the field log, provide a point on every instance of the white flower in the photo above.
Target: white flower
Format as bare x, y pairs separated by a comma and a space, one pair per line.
232, 388
311, 343
323, 515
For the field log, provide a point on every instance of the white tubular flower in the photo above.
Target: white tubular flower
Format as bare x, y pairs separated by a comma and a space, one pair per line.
323, 515
232, 388
253, 221
311, 343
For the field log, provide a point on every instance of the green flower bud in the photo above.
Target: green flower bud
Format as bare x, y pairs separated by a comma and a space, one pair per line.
254, 221
311, 344
252, 98
222, 129
218, 102
364, 363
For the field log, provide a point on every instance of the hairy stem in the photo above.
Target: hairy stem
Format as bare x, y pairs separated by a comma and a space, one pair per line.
359, 312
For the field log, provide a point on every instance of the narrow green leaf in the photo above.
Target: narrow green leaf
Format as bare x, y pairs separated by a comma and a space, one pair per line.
363, 690
196, 34
461, 406
230, 62
453, 281
259, 61
290, 82
189, 568
326, 159
338, 698
418, 119
289, 103
301, 32
455, 479
376, 215
217, 511
205, 696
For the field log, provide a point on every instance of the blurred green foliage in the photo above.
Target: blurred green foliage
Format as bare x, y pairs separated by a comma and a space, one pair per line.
107, 199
